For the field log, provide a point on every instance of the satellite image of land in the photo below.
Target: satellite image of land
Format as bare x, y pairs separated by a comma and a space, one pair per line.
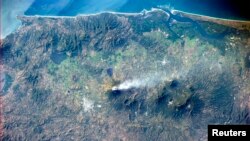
158, 75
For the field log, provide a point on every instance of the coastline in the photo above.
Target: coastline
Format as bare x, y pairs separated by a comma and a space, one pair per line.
174, 11
239, 24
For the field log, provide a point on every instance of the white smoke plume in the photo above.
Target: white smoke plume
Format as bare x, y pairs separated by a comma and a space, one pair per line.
146, 81
128, 84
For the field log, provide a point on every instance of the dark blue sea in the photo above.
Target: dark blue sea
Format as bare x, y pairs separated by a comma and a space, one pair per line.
227, 9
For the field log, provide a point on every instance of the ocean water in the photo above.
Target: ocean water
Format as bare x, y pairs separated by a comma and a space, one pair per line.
217, 8
227, 9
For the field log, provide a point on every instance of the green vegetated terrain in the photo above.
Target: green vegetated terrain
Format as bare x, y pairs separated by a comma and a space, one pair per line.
183, 75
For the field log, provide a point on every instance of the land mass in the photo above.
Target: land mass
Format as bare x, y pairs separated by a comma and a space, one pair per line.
155, 75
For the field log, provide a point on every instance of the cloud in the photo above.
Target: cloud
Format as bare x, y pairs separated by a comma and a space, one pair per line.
104, 5
10, 10
91, 6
